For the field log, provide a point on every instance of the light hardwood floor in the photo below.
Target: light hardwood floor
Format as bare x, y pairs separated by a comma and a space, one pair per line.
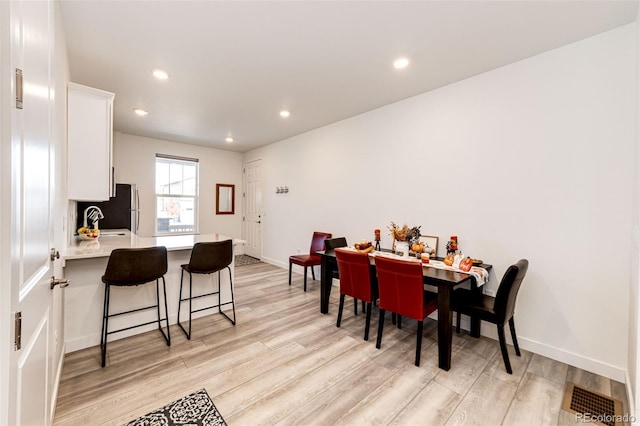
284, 363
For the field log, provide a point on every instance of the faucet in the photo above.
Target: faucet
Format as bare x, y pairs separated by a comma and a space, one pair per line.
94, 214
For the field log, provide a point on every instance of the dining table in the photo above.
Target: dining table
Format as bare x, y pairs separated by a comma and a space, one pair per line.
445, 280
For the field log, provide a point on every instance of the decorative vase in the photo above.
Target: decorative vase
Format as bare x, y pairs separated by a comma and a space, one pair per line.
402, 248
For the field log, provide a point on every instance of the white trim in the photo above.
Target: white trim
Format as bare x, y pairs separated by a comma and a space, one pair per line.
56, 385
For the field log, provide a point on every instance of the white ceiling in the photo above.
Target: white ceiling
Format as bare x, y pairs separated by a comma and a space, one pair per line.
235, 64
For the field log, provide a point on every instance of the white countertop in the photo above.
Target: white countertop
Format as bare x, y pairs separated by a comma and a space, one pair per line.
103, 246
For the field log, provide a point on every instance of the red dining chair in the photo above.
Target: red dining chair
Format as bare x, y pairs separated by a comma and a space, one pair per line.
312, 259
357, 281
401, 291
498, 310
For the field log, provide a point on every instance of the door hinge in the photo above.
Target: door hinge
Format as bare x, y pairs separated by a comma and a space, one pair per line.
18, 88
54, 254
17, 333
62, 282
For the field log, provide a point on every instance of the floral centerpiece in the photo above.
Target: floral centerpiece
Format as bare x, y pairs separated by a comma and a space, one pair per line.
404, 235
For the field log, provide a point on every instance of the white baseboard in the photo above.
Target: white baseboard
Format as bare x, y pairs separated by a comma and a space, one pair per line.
574, 359
557, 354
630, 396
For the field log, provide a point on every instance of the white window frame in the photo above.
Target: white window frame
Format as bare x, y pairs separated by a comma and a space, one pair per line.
178, 160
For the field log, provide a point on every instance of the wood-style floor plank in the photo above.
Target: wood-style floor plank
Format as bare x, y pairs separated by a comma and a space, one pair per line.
284, 363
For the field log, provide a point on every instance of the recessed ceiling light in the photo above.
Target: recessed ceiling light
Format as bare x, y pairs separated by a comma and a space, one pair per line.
401, 63
140, 112
229, 139
160, 74
284, 113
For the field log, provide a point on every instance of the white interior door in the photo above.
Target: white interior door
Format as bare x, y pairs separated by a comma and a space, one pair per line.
252, 223
27, 206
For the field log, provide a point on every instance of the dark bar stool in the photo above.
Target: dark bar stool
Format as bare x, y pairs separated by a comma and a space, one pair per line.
207, 258
129, 267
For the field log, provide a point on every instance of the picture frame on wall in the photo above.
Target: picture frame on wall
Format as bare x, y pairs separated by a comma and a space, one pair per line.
430, 241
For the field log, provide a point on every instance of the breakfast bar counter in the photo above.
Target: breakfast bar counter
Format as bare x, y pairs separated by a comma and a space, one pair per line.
123, 238
85, 262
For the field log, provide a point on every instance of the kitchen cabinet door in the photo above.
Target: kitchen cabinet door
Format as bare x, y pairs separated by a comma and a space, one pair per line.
90, 141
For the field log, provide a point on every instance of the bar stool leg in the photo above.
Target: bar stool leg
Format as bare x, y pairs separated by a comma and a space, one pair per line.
190, 301
180, 298
233, 304
187, 333
167, 336
105, 324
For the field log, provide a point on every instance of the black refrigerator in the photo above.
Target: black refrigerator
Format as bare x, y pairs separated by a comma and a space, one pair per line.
120, 212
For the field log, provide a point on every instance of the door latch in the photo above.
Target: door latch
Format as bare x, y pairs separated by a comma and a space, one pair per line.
18, 88
62, 282
17, 331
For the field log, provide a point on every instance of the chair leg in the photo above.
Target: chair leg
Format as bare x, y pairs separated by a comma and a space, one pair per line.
340, 310
188, 333
380, 327
105, 323
180, 295
313, 273
367, 323
305, 278
167, 336
355, 306
363, 305
399, 322
418, 343
503, 348
512, 326
458, 318
290, 266
233, 304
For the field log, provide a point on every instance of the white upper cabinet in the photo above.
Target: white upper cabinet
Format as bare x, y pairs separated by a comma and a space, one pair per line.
90, 140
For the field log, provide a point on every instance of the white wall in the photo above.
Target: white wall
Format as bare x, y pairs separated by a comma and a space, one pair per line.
532, 160
134, 160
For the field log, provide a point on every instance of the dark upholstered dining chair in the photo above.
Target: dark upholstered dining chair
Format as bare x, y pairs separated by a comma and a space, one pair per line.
357, 281
208, 258
498, 310
133, 267
309, 260
401, 291
334, 243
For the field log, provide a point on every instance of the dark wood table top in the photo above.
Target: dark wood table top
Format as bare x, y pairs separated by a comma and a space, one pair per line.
433, 275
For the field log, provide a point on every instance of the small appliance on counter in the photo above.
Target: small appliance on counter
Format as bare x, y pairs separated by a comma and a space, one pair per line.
120, 212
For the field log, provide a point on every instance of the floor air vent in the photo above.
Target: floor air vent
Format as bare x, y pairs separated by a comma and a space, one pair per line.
591, 406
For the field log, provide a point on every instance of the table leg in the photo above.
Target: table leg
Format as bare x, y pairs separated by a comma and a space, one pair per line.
445, 331
474, 327
326, 279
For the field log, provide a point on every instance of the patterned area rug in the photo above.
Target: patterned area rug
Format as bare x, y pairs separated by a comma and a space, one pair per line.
243, 259
194, 409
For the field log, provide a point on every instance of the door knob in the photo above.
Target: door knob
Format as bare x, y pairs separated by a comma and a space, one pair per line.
62, 282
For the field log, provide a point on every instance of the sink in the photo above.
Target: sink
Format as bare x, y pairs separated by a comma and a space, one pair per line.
112, 234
